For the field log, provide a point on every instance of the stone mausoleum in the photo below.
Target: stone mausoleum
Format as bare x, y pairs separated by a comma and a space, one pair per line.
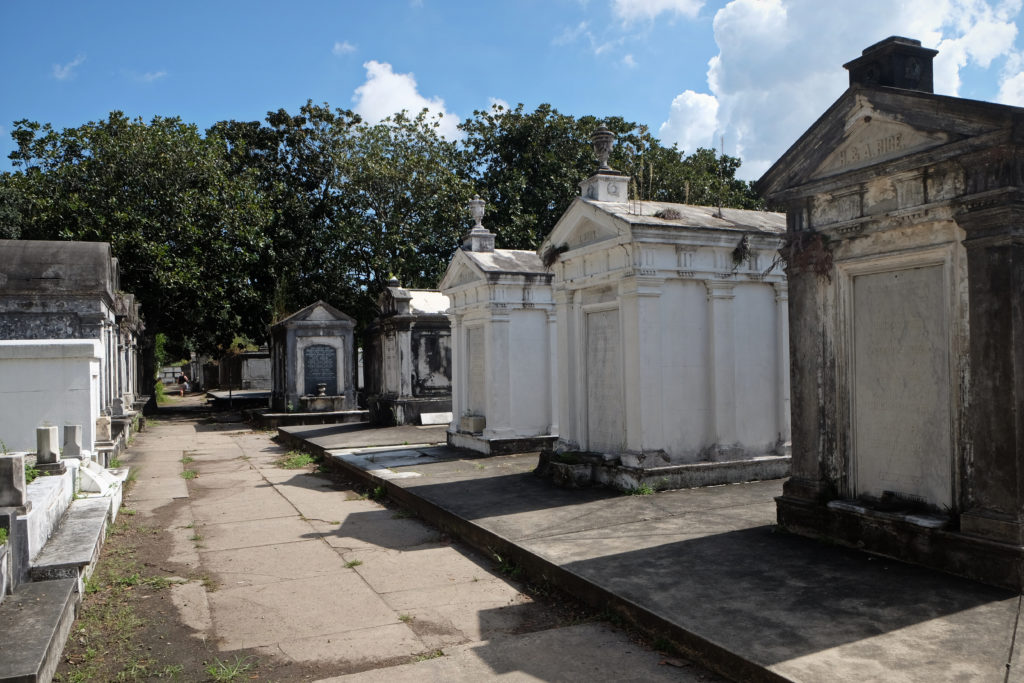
313, 361
407, 356
905, 250
672, 347
504, 391
71, 342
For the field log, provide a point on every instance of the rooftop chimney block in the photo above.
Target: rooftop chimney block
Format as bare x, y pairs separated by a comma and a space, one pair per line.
895, 63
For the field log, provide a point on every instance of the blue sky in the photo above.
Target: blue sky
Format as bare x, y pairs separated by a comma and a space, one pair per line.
756, 71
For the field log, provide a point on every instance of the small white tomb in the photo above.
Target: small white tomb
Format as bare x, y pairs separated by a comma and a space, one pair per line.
672, 338
504, 398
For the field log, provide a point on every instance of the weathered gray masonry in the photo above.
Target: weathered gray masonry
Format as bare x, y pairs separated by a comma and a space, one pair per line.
905, 247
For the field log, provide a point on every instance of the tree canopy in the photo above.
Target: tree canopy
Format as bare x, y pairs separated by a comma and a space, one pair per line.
220, 233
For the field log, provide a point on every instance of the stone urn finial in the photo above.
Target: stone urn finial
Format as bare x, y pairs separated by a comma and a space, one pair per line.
476, 210
602, 140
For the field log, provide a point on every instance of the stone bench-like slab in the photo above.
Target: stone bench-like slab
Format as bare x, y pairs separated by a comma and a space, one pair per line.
75, 546
35, 623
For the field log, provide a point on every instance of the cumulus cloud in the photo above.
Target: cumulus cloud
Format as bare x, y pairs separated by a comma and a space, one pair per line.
630, 11
63, 72
692, 121
779, 64
629, 61
385, 93
343, 48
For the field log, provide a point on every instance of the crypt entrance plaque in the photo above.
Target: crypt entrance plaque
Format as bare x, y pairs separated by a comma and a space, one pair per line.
320, 363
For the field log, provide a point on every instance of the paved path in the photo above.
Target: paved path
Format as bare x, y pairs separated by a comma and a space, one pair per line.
311, 577
707, 566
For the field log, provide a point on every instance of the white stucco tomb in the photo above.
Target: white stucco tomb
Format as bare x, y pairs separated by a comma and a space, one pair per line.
504, 397
49, 382
672, 338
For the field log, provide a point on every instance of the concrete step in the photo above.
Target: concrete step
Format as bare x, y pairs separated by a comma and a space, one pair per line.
35, 623
74, 547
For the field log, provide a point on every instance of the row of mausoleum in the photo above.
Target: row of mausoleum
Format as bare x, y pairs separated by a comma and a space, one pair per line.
69, 344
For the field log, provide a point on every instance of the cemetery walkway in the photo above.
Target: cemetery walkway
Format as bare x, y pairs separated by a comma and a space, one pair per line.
315, 581
704, 567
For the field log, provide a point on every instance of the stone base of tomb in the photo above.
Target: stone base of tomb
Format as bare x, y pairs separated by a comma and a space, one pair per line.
322, 404
264, 418
932, 540
501, 446
389, 411
578, 470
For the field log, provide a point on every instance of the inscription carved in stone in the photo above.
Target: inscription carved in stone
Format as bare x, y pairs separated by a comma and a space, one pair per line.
320, 363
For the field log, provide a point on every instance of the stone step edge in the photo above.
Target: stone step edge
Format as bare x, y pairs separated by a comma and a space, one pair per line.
35, 622
74, 548
701, 650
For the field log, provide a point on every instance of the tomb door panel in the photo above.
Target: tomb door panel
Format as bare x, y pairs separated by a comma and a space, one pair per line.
900, 418
320, 366
605, 405
476, 383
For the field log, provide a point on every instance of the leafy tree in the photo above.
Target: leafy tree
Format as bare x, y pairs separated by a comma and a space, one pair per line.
352, 203
528, 166
186, 233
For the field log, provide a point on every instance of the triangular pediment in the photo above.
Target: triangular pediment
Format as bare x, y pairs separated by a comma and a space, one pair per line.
461, 271
871, 138
319, 311
870, 126
582, 224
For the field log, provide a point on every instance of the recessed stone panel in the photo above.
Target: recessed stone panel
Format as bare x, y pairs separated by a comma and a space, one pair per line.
605, 405
900, 380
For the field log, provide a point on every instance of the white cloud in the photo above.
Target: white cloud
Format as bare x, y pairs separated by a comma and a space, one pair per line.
385, 93
343, 48
636, 10
692, 121
151, 76
629, 61
493, 102
65, 71
779, 64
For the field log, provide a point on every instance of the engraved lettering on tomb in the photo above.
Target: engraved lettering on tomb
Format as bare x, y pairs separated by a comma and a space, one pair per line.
872, 140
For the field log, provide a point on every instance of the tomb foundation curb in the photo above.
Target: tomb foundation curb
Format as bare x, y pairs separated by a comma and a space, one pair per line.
542, 570
991, 562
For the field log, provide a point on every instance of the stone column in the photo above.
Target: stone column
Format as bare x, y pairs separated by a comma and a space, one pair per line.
782, 358
403, 339
459, 370
553, 372
643, 366
499, 408
568, 434
992, 480
722, 362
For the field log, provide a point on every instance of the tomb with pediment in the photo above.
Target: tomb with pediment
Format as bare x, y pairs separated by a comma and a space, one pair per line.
671, 344
407, 358
313, 361
504, 392
904, 249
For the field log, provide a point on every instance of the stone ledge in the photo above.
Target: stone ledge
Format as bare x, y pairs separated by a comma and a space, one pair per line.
502, 446
74, 548
35, 622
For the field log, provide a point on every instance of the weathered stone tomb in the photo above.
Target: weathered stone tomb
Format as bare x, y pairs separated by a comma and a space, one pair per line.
71, 351
905, 250
504, 396
672, 348
313, 361
407, 356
